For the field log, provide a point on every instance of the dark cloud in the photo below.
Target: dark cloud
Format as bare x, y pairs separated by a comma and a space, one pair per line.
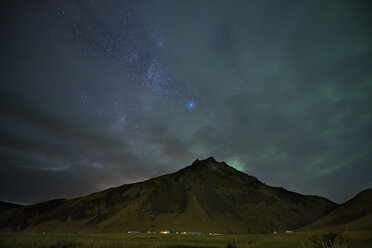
96, 94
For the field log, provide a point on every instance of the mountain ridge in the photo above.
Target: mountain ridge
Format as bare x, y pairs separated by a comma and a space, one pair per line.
354, 214
4, 206
206, 196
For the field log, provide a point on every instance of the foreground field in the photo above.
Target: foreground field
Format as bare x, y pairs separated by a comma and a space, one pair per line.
350, 239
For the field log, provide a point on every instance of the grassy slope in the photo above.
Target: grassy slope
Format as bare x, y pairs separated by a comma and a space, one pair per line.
207, 196
355, 214
360, 239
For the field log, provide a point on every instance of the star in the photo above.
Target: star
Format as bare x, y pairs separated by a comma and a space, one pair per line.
191, 105
160, 43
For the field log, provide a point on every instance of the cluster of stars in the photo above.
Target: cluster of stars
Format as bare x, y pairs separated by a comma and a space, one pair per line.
129, 44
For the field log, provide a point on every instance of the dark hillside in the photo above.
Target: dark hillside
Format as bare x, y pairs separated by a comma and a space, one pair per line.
355, 214
207, 196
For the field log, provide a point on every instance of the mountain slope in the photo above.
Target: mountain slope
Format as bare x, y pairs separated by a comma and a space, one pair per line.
355, 214
207, 196
4, 206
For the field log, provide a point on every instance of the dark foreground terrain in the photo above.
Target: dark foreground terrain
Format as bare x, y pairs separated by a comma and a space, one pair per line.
350, 239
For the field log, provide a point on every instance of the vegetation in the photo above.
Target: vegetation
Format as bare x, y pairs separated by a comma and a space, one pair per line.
359, 239
355, 214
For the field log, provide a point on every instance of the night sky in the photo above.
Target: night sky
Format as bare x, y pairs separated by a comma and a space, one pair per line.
95, 94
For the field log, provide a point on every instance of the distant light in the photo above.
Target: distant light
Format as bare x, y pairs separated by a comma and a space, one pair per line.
191, 105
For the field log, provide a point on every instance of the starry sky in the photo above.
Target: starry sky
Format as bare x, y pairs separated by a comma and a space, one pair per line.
95, 94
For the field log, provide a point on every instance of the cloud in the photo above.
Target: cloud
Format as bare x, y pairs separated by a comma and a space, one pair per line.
281, 90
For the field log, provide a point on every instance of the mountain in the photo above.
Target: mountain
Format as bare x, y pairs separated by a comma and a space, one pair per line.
207, 196
4, 206
355, 214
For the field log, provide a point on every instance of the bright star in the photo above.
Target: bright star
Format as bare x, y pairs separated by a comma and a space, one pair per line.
190, 104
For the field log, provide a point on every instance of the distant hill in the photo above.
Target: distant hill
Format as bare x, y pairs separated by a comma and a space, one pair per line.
355, 214
207, 196
4, 206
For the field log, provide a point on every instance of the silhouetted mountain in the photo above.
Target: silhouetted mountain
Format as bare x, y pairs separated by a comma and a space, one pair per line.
4, 206
355, 214
207, 196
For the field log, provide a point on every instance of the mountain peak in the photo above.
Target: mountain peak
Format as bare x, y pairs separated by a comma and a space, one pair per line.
210, 166
210, 163
207, 160
210, 159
